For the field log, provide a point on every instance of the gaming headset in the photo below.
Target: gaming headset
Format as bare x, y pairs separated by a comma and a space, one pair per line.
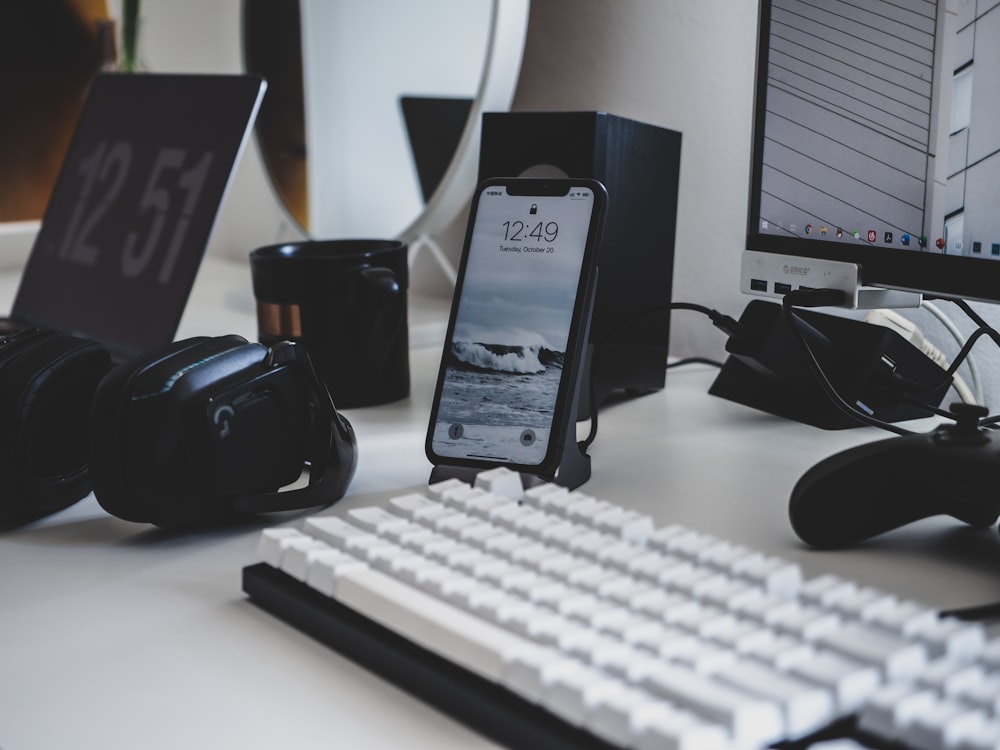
202, 431
46, 383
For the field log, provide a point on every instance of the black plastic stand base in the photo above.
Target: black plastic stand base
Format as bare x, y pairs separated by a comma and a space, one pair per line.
766, 369
571, 473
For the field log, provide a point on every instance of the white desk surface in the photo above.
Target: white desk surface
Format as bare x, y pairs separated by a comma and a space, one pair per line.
119, 635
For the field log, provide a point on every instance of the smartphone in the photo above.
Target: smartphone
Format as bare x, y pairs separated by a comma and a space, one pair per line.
517, 330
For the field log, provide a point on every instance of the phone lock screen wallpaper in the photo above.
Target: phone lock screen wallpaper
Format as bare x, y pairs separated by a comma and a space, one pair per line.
504, 363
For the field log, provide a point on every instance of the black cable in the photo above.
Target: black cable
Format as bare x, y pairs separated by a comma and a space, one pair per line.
725, 323
694, 361
983, 329
960, 358
977, 613
972, 314
934, 410
826, 298
808, 298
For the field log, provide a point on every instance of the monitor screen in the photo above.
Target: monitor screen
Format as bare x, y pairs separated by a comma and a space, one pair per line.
875, 141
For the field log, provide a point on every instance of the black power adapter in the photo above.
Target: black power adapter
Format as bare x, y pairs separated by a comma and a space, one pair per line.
872, 368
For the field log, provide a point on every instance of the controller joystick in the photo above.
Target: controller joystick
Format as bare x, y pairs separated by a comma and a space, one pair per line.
873, 488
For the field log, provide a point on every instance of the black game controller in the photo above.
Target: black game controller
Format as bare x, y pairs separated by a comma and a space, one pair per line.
874, 488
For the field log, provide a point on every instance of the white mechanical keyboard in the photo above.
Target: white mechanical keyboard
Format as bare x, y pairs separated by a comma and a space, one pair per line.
627, 634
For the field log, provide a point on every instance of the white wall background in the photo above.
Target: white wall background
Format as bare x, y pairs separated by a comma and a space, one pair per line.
680, 64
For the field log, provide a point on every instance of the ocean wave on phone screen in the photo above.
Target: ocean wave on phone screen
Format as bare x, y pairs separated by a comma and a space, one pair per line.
504, 358
497, 398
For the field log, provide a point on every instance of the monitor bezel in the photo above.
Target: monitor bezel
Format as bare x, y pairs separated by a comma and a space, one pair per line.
933, 273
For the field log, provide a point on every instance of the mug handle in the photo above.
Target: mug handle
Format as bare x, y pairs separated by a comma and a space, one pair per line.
384, 298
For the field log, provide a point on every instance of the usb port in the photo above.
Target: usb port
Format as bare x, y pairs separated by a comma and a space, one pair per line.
782, 288
758, 285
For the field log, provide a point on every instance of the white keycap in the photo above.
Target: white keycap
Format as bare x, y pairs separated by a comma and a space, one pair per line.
691, 545
627, 524
662, 727
465, 639
374, 519
990, 655
609, 711
483, 506
336, 531
535, 523
324, 567
270, 541
523, 668
587, 509
890, 709
985, 736
897, 658
862, 603
545, 495
461, 497
850, 682
504, 545
664, 537
750, 721
501, 481
479, 532
454, 524
776, 576
951, 637
806, 707
808, 623
904, 618
410, 506
294, 555
438, 489
561, 534
780, 651
983, 692
818, 590
941, 725
401, 533
564, 688
508, 514
946, 676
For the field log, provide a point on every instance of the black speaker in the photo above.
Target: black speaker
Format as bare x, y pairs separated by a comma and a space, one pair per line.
639, 164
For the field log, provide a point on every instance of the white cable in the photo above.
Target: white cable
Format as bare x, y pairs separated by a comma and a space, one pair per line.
937, 312
908, 330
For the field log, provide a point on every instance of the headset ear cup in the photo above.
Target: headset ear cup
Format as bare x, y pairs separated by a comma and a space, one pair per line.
108, 412
146, 461
47, 381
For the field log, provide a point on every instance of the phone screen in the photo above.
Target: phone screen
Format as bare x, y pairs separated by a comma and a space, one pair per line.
504, 368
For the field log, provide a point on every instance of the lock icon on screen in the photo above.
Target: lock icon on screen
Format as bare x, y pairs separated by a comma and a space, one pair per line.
534, 209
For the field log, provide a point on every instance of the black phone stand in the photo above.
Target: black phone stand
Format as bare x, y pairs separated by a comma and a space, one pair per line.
572, 471
573, 465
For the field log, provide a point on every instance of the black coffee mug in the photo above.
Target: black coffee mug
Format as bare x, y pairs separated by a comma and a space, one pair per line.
345, 301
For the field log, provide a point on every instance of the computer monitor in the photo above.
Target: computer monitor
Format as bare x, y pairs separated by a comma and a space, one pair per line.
876, 146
